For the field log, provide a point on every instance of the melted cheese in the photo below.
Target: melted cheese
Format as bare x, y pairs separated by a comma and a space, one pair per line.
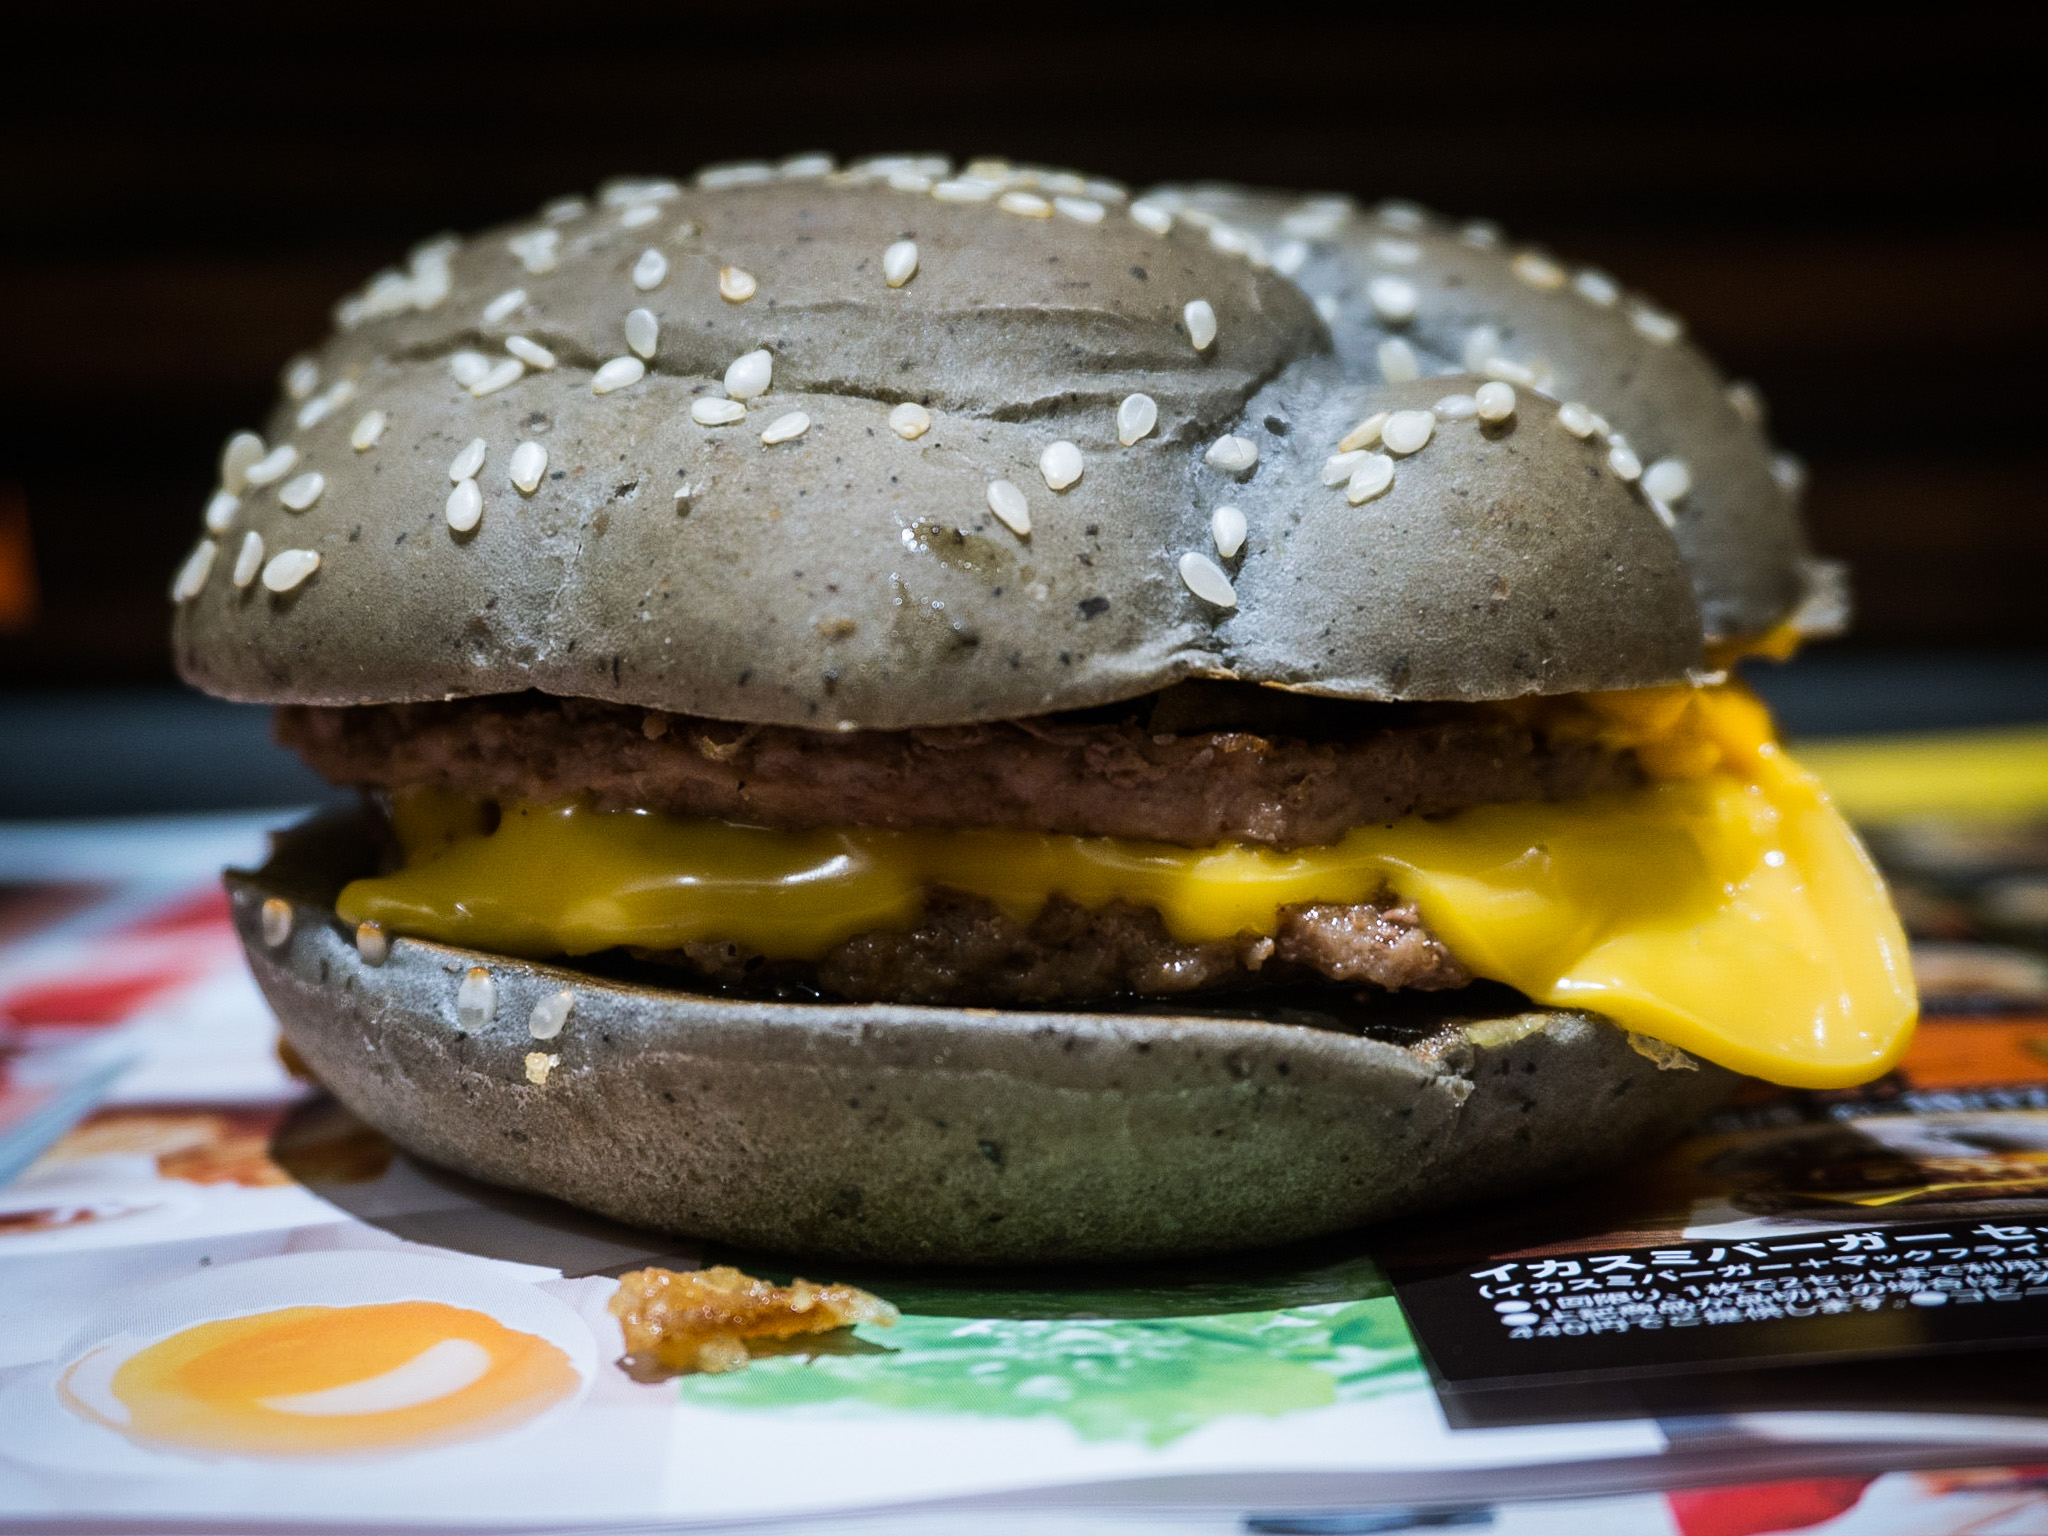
1724, 908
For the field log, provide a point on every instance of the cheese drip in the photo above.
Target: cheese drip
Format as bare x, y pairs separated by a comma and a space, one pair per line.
1725, 907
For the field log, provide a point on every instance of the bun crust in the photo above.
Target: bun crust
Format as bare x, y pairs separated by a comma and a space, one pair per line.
851, 577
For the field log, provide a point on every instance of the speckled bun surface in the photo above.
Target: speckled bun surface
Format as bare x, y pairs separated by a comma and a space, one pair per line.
1401, 289
808, 562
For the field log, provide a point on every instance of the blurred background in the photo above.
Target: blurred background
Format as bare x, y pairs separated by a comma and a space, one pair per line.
1838, 208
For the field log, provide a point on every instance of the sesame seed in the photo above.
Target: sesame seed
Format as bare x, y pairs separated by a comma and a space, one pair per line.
1365, 434
1575, 419
1397, 253
368, 429
1374, 474
1396, 214
529, 465
289, 567
476, 999
1201, 323
1082, 210
1623, 461
301, 377
1480, 234
1746, 401
1393, 299
1596, 287
1789, 470
1151, 216
1495, 401
466, 463
1135, 418
1600, 427
649, 270
301, 491
1228, 239
236, 455
1338, 466
736, 286
1227, 527
1060, 464
191, 577
1538, 271
563, 209
619, 373
899, 263
910, 420
504, 305
220, 511
500, 375
249, 559
1407, 431
712, 411
717, 178
531, 353
1398, 362
372, 943
1317, 219
1290, 257
273, 466
639, 216
277, 922
465, 507
1482, 346
1326, 306
1205, 578
1654, 325
1509, 372
1456, 407
785, 429
1232, 454
965, 189
807, 167
910, 181
549, 1015
537, 250
628, 193
750, 374
643, 331
1668, 481
1027, 205
326, 403
1104, 191
467, 367
1009, 505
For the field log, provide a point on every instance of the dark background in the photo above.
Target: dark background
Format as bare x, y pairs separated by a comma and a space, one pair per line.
1846, 210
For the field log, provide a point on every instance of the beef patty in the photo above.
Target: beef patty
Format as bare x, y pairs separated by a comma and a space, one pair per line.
1270, 770
964, 951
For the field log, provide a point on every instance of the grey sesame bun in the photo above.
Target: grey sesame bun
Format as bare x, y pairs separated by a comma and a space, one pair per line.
847, 575
1402, 288
937, 1135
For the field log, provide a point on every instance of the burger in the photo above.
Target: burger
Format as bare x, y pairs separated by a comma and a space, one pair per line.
959, 714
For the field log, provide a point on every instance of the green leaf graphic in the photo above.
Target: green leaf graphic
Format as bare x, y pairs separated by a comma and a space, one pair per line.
1152, 1379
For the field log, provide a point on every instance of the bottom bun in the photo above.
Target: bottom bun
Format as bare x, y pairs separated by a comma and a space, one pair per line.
947, 1135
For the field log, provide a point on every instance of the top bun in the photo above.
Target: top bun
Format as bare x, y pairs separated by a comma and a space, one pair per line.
807, 564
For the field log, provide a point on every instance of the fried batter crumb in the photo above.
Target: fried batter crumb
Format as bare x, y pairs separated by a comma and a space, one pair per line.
701, 1319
